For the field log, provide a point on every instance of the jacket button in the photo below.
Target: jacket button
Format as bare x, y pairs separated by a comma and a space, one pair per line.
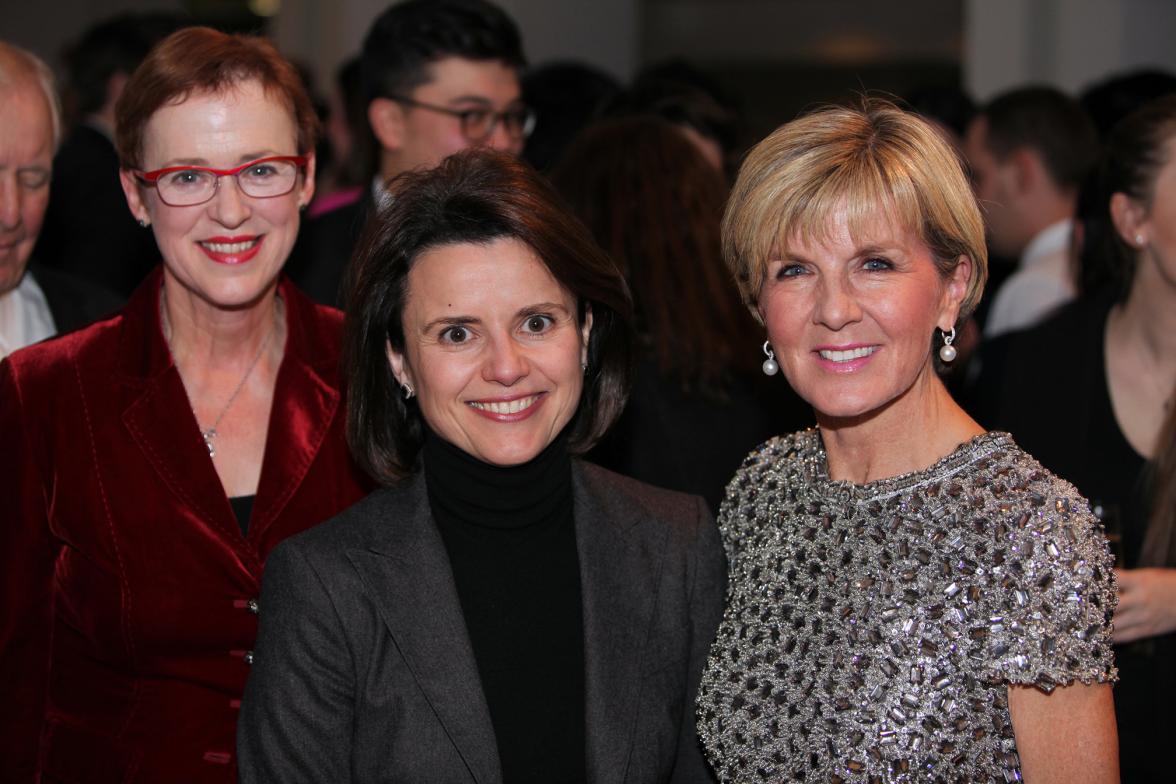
253, 606
248, 657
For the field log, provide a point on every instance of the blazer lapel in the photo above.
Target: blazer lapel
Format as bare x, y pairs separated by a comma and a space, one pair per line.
304, 405
156, 395
408, 573
620, 565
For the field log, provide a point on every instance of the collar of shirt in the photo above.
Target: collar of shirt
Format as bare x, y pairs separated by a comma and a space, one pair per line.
25, 317
1051, 240
380, 194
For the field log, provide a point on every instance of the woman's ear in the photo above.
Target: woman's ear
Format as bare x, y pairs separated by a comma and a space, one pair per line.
306, 192
1130, 219
399, 365
955, 293
585, 335
130, 186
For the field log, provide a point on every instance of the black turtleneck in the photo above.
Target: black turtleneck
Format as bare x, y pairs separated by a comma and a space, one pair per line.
512, 545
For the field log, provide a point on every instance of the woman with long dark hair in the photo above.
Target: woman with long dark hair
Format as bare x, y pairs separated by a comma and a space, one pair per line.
1088, 392
500, 610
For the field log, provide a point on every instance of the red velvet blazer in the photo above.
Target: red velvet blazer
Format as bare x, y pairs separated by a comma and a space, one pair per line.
126, 587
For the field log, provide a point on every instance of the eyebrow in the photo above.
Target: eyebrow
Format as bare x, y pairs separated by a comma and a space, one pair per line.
484, 101
861, 250
203, 162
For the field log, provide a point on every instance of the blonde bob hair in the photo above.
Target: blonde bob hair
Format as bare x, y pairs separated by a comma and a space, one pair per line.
868, 161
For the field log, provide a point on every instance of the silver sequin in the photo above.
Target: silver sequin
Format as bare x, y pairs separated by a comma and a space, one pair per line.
871, 631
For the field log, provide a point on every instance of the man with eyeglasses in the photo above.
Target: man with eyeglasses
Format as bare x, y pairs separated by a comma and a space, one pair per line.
35, 302
440, 76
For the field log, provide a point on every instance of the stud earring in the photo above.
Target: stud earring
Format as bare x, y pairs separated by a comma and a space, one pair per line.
1139, 240
143, 222
947, 352
771, 367
408, 391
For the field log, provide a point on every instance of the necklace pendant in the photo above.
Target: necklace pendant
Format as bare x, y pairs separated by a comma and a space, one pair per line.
208, 435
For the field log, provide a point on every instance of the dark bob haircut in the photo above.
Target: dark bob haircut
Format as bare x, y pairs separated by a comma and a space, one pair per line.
476, 196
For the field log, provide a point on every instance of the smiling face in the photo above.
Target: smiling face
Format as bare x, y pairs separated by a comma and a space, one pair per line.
26, 161
228, 251
851, 321
493, 349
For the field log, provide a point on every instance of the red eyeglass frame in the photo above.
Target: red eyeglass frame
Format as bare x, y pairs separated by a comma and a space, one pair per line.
153, 176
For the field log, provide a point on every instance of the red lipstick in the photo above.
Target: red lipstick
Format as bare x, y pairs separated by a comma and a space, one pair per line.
232, 250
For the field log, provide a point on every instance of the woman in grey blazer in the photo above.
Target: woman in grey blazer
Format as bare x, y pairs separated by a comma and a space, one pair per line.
500, 611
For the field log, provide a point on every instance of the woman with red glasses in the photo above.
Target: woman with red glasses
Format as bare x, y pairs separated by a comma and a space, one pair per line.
153, 460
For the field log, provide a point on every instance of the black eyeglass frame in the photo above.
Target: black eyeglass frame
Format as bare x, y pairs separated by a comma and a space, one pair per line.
463, 116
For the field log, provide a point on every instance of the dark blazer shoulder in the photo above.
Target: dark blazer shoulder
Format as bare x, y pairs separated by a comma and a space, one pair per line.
319, 259
621, 492
365, 524
74, 302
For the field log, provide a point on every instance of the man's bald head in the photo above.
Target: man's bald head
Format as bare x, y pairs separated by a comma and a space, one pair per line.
19, 67
30, 129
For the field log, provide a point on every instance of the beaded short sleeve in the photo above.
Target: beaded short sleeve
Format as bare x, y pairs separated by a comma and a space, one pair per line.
872, 631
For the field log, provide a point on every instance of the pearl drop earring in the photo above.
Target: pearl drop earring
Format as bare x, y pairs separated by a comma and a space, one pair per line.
771, 367
947, 353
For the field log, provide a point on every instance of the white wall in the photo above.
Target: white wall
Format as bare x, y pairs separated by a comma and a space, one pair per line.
1066, 43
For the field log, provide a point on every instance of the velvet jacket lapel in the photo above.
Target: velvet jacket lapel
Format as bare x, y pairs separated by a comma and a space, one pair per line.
303, 407
407, 571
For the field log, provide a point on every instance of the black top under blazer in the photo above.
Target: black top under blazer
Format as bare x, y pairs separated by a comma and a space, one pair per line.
364, 672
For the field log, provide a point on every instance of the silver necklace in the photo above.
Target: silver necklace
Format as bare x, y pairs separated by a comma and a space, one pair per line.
209, 433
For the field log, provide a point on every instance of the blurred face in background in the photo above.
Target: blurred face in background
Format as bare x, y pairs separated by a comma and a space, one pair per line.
995, 182
417, 137
26, 163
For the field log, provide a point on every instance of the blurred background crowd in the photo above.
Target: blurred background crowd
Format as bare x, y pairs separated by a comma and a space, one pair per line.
639, 112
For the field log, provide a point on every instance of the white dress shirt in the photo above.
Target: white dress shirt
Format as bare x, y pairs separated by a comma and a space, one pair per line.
1043, 281
24, 316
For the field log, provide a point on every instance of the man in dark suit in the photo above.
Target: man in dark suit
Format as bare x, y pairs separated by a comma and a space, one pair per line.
33, 306
440, 76
88, 230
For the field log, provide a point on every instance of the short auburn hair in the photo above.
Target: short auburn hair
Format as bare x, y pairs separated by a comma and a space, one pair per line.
203, 60
475, 196
872, 159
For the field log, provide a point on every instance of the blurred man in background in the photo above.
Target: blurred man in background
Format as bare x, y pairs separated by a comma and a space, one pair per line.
34, 303
439, 76
1030, 150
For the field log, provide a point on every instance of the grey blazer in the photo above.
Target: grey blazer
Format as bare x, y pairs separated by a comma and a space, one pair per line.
364, 672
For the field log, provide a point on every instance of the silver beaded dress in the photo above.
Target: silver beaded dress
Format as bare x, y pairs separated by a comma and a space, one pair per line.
871, 631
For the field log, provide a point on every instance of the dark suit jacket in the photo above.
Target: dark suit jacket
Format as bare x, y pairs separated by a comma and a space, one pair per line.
318, 262
73, 302
365, 672
124, 577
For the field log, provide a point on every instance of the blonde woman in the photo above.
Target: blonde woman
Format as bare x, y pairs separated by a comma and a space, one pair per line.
911, 598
